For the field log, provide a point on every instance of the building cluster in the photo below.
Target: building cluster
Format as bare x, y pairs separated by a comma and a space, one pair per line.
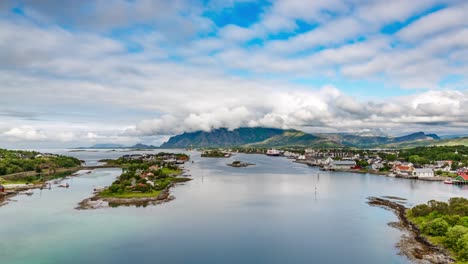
371, 160
166, 158
45, 155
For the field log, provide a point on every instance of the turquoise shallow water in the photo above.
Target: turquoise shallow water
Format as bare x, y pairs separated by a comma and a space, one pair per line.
268, 213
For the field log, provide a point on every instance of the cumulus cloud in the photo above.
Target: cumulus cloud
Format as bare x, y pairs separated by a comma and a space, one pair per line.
325, 108
25, 133
143, 70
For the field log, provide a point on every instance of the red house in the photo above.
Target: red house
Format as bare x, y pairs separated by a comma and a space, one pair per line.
462, 177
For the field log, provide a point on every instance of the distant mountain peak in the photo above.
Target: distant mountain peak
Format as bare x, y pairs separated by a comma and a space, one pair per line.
222, 137
118, 146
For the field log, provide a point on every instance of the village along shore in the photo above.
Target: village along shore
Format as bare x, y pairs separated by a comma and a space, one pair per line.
448, 165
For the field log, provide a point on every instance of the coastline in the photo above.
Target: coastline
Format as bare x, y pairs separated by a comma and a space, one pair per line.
386, 174
5, 197
412, 244
22, 189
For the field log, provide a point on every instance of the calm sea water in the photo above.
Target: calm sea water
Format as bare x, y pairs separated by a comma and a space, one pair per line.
275, 212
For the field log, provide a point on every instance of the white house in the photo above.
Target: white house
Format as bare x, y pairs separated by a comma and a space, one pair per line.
423, 173
301, 157
328, 160
377, 166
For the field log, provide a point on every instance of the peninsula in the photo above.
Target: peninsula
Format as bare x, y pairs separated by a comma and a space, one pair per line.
437, 232
21, 171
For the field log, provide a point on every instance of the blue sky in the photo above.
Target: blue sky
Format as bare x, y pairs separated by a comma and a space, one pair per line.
139, 71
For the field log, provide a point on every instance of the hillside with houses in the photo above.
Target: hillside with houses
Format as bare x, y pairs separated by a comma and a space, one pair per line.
429, 163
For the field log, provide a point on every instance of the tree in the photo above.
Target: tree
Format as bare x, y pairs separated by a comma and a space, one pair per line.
440, 207
421, 210
391, 157
459, 206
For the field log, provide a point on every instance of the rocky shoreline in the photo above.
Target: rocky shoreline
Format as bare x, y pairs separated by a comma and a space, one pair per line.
412, 244
5, 197
13, 190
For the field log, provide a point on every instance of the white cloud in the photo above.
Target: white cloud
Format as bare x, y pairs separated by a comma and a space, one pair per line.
434, 23
25, 133
77, 84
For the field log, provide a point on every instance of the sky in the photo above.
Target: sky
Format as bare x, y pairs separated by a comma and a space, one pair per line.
77, 73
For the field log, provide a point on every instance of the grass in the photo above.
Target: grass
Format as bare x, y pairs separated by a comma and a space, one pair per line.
130, 194
6, 182
36, 179
168, 171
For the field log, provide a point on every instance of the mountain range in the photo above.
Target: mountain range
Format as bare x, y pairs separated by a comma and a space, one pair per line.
273, 137
118, 146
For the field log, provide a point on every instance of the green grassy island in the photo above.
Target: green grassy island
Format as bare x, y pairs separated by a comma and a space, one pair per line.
215, 154
444, 224
145, 176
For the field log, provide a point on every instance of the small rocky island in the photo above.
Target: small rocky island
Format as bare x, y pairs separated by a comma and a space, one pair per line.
240, 164
146, 179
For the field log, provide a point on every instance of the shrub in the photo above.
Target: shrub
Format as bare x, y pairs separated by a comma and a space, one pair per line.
142, 188
462, 246
436, 227
114, 188
29, 179
452, 219
453, 235
463, 221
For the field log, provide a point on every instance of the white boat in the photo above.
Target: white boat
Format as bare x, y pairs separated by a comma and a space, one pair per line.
273, 152
99, 188
448, 182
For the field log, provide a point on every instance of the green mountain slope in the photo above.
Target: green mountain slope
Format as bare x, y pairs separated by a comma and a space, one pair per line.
273, 137
453, 142
288, 138
222, 137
